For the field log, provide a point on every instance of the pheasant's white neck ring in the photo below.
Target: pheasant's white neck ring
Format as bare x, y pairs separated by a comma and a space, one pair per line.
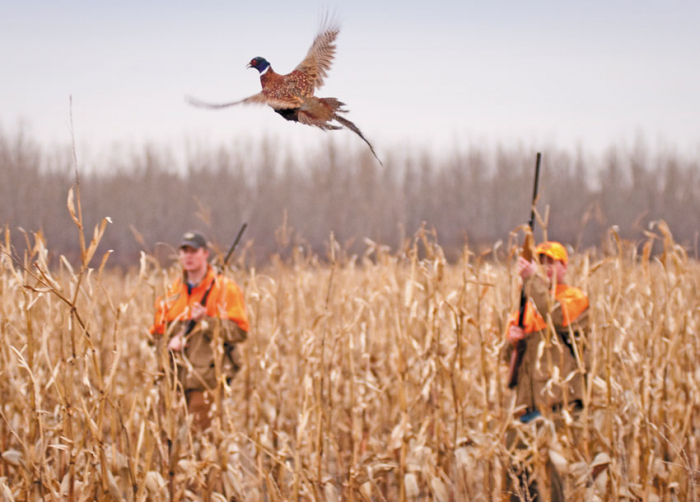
265, 70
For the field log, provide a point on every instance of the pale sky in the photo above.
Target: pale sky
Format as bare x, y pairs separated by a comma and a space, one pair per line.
413, 74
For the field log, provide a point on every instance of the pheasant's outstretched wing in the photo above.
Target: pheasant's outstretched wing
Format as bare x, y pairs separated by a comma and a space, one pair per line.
320, 56
255, 99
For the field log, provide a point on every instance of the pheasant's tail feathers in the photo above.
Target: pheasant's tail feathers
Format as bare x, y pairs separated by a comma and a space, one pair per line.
356, 130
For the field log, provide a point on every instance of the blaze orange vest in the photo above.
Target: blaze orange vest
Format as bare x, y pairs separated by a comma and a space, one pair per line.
225, 301
572, 300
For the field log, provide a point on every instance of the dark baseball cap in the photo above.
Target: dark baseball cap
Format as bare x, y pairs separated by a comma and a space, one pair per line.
194, 240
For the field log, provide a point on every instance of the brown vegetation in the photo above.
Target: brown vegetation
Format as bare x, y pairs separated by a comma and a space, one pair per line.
372, 372
371, 377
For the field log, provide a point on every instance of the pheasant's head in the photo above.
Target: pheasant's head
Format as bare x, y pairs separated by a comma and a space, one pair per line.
259, 64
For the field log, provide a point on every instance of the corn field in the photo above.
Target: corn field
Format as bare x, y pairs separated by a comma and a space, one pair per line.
378, 376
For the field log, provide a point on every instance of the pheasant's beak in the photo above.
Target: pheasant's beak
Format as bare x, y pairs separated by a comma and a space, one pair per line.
249, 65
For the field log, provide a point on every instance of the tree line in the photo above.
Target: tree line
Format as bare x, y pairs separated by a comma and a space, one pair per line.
475, 194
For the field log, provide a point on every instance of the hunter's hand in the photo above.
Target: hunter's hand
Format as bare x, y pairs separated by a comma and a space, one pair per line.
177, 343
198, 312
515, 334
526, 268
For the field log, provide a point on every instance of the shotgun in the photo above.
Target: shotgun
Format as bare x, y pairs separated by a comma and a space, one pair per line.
519, 352
192, 323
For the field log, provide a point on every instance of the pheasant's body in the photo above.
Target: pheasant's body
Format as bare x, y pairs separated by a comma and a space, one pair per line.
313, 111
292, 95
291, 87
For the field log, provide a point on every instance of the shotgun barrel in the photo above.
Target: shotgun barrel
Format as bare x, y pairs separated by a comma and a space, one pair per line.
521, 346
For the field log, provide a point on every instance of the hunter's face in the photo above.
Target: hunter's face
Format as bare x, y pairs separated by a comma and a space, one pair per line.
193, 260
553, 268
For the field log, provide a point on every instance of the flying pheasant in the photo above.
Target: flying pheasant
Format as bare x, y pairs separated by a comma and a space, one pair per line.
292, 95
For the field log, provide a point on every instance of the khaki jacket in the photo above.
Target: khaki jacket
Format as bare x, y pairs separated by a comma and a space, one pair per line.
197, 365
552, 356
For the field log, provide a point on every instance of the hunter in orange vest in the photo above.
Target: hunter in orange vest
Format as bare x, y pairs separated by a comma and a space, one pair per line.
552, 373
213, 304
563, 357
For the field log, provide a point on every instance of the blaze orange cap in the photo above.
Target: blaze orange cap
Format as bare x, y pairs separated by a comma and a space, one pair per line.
554, 250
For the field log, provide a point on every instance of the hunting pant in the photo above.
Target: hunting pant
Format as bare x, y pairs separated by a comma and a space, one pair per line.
526, 480
199, 406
